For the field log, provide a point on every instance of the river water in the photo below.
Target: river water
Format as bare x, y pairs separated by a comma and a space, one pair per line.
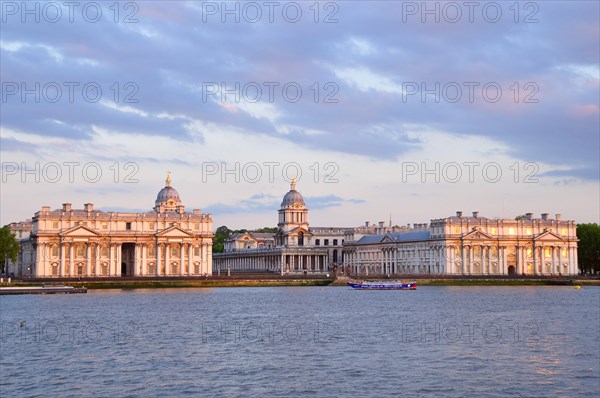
307, 341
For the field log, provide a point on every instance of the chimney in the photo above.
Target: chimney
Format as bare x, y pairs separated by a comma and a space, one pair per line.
544, 216
45, 208
459, 214
89, 207
66, 207
558, 217
529, 216
475, 214
381, 223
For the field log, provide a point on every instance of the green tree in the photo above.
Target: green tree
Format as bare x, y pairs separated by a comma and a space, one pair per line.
588, 247
9, 247
218, 240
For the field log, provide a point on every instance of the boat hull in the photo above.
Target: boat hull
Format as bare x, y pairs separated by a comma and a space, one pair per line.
383, 285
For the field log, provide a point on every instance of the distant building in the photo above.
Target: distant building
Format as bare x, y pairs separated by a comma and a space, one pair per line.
295, 248
67, 242
475, 245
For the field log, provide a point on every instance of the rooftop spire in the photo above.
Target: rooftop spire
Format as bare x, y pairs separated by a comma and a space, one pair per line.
168, 182
293, 184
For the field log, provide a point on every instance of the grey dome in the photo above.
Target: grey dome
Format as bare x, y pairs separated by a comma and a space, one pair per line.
167, 193
292, 197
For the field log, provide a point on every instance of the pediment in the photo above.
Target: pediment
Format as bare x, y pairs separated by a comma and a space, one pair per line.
173, 232
548, 236
297, 231
79, 231
386, 239
477, 235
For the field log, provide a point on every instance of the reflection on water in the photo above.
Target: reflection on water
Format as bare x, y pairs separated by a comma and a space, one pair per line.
334, 341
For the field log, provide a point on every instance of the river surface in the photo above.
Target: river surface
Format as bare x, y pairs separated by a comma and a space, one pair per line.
306, 341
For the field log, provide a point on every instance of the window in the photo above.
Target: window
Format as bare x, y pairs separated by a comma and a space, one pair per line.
528, 231
79, 251
317, 242
128, 226
529, 253
104, 225
493, 231
457, 230
196, 226
547, 252
55, 251
564, 253
152, 251
335, 242
151, 225
326, 243
563, 232
55, 224
511, 231
197, 251
104, 252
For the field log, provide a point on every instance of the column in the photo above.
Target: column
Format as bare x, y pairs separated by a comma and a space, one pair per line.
190, 259
136, 260
181, 258
158, 253
144, 271
96, 267
119, 255
167, 259
88, 258
464, 258
71, 251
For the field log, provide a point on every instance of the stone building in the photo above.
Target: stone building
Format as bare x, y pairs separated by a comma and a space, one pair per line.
167, 241
297, 247
462, 245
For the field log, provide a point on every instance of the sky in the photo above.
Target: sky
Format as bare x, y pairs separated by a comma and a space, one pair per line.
399, 110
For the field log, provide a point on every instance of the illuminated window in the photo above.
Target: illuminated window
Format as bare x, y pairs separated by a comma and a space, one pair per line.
493, 231
529, 253
564, 253
511, 231
457, 230
563, 231
547, 252
528, 231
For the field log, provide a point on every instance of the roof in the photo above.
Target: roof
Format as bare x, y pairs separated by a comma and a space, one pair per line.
396, 237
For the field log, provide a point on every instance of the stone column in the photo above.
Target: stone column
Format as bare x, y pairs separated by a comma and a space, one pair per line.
190, 259
119, 256
181, 259
88, 258
71, 259
144, 270
96, 267
158, 254
167, 259
136, 260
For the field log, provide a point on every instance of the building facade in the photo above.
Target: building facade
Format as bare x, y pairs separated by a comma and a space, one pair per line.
474, 245
295, 248
167, 241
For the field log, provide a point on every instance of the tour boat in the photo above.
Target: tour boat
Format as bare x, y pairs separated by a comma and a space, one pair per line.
383, 285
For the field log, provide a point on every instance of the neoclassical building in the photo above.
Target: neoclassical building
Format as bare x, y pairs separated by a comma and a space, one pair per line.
167, 241
296, 248
463, 245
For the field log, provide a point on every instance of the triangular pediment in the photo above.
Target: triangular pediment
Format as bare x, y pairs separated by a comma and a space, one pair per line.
477, 235
79, 230
297, 230
173, 232
386, 239
547, 236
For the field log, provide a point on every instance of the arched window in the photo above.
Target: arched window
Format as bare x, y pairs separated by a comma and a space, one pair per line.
301, 239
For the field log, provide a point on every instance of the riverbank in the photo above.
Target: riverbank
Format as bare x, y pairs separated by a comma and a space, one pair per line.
278, 280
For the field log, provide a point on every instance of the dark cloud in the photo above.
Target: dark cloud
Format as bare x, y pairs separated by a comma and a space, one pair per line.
172, 51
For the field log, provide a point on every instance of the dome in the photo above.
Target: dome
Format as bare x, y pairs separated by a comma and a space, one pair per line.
292, 196
167, 193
